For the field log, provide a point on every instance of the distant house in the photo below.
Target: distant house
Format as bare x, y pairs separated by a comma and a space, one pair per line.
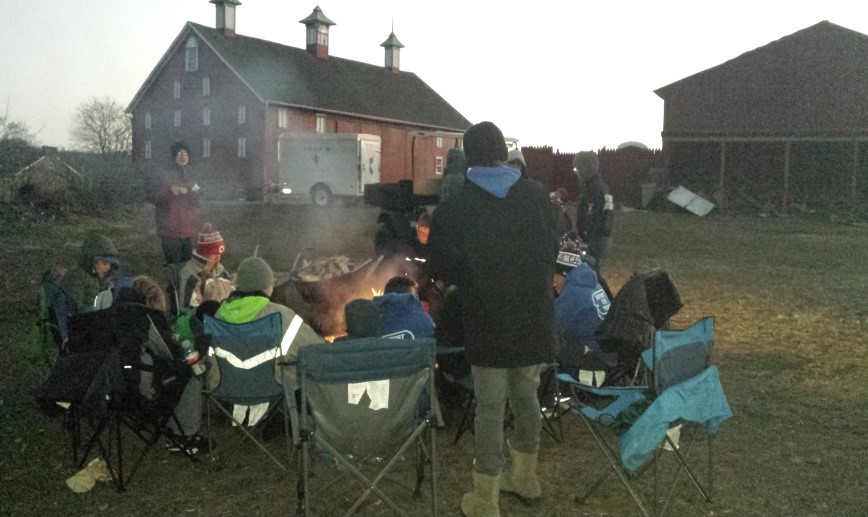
229, 97
48, 180
783, 125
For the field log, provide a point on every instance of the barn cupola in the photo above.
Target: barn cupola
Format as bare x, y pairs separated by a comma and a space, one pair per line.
226, 16
317, 25
393, 52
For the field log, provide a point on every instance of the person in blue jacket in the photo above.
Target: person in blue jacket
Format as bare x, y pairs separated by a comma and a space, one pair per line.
402, 315
580, 308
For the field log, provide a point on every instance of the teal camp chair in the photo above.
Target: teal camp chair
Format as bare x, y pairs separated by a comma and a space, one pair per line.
684, 390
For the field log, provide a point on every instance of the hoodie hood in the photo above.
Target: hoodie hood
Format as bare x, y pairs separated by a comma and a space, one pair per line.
95, 245
394, 302
241, 309
495, 180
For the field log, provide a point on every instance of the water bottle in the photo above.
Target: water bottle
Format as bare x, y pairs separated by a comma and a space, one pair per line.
191, 356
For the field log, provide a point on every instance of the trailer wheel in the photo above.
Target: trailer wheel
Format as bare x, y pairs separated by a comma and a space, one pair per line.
320, 195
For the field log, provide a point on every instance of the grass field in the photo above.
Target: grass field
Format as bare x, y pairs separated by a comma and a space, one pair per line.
790, 298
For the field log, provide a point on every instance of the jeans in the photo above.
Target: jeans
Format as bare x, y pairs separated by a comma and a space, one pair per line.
177, 250
189, 410
493, 387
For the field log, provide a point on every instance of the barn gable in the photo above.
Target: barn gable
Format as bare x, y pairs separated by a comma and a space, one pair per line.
811, 83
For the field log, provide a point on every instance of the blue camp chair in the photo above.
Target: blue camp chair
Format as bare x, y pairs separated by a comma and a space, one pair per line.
364, 402
684, 390
245, 355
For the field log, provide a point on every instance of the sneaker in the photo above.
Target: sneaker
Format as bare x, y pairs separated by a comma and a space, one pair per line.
191, 445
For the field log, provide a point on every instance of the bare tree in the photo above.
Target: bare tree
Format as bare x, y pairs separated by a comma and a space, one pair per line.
13, 129
101, 126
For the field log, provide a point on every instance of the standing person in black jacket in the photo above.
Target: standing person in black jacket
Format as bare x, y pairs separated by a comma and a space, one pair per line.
594, 213
496, 241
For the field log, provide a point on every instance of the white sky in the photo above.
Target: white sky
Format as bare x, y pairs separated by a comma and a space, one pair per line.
571, 74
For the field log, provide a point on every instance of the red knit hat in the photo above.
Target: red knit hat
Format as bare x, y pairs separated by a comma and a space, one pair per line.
210, 242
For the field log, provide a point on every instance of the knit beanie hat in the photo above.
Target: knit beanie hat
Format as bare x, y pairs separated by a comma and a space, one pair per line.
456, 162
209, 243
254, 274
362, 317
484, 145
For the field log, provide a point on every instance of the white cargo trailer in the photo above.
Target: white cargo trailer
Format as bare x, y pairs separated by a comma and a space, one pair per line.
328, 166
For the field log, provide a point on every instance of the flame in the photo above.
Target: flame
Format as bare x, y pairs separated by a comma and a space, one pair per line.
331, 339
376, 292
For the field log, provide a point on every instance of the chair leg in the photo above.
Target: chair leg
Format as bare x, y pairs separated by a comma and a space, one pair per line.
614, 462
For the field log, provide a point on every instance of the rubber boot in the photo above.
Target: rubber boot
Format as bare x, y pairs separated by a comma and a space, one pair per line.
483, 501
520, 477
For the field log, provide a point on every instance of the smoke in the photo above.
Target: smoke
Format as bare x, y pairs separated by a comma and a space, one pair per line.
321, 304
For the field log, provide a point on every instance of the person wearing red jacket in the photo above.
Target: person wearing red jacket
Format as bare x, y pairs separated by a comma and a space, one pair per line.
176, 196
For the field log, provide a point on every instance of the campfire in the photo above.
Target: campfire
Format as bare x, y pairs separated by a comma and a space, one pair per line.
319, 289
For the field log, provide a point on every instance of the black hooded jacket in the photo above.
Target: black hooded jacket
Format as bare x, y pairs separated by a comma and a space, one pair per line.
501, 253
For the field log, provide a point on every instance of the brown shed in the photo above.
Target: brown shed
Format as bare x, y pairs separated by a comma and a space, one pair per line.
783, 125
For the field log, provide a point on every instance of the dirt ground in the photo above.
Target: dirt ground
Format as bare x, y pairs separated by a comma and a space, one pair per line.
789, 297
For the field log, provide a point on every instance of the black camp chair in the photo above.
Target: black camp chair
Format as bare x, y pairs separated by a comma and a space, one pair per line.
245, 355
364, 402
685, 390
118, 395
643, 305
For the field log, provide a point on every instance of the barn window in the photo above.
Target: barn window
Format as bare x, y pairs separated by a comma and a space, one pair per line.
176, 90
242, 147
177, 118
206, 148
206, 116
148, 151
191, 57
322, 34
242, 114
282, 117
439, 141
206, 86
438, 165
148, 119
320, 123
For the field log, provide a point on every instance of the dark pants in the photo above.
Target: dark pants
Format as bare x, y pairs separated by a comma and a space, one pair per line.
177, 249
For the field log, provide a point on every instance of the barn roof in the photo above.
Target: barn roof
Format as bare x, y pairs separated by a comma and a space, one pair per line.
812, 82
283, 75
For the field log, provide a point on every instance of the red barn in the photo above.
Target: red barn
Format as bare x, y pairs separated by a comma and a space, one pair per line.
229, 97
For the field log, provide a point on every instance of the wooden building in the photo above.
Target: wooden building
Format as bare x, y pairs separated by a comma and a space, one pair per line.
784, 125
229, 97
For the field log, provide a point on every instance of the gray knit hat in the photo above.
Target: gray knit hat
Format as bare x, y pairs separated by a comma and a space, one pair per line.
254, 274
484, 145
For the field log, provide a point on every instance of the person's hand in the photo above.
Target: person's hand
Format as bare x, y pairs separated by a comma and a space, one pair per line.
176, 190
182, 190
195, 188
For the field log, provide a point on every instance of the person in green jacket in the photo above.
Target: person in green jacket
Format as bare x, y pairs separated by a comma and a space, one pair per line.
91, 274
250, 301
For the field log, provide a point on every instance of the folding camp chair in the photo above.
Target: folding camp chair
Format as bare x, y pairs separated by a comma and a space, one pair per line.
685, 391
551, 402
245, 355
453, 373
643, 305
364, 402
99, 383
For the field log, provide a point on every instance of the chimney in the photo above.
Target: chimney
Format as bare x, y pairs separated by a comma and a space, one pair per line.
393, 52
226, 16
317, 25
